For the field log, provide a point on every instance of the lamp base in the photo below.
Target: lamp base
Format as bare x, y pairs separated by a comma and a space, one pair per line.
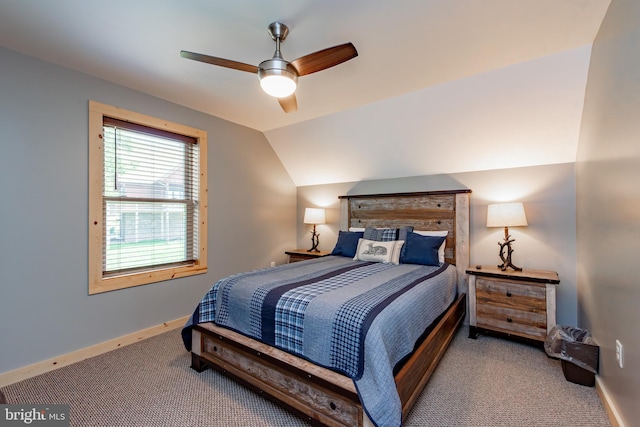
314, 240
506, 245
506, 262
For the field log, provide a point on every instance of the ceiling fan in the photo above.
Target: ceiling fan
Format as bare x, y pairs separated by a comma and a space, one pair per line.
278, 77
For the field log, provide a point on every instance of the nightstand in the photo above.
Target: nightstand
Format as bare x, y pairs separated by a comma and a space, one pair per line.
296, 255
520, 303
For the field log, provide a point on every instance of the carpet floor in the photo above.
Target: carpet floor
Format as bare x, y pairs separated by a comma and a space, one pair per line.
485, 382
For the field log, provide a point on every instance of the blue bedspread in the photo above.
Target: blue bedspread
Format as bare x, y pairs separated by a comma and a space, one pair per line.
357, 318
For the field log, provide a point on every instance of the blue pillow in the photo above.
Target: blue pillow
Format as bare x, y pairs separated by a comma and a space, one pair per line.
422, 250
347, 243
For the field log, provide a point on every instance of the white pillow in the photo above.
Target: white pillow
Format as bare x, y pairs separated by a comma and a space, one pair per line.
436, 234
374, 251
356, 229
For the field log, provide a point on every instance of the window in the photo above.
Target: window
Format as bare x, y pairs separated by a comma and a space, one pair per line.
147, 199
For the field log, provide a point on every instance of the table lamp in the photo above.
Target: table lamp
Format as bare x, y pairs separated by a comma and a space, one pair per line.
506, 215
314, 216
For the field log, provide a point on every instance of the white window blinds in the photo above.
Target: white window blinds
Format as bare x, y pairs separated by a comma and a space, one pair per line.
149, 199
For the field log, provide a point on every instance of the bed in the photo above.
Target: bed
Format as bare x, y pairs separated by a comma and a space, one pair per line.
370, 367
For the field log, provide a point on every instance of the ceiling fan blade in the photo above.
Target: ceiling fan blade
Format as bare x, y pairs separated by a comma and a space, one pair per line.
289, 104
219, 61
324, 59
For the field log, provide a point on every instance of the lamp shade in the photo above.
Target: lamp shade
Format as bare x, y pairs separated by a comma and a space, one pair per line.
506, 215
314, 216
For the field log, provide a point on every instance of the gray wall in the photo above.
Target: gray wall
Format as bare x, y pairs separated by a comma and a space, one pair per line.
548, 194
608, 204
45, 310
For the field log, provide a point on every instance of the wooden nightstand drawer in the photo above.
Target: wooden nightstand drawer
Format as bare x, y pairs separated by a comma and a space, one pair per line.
514, 303
523, 323
529, 297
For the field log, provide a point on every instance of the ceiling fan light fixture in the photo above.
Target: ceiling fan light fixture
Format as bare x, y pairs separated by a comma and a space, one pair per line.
278, 86
277, 78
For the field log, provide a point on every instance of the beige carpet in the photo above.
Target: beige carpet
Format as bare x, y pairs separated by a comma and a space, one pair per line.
484, 382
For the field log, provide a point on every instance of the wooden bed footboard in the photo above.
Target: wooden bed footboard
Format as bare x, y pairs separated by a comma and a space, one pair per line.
321, 396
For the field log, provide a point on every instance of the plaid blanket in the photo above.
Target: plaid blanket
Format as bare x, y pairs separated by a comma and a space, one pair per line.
375, 313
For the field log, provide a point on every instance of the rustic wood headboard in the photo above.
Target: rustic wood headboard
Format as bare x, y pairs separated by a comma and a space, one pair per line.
431, 210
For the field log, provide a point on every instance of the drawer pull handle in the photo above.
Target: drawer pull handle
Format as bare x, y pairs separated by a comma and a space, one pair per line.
509, 294
509, 319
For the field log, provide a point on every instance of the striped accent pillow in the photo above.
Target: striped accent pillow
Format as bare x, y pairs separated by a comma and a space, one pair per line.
380, 234
386, 234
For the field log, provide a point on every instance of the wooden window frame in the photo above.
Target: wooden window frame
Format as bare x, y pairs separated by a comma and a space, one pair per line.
97, 282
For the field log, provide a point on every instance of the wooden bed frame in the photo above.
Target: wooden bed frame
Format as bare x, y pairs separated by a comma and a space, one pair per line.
319, 395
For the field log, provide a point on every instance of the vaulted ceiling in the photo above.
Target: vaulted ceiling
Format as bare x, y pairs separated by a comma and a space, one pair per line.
439, 86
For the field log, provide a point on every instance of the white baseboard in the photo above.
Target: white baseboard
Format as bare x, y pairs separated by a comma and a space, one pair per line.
29, 371
605, 398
